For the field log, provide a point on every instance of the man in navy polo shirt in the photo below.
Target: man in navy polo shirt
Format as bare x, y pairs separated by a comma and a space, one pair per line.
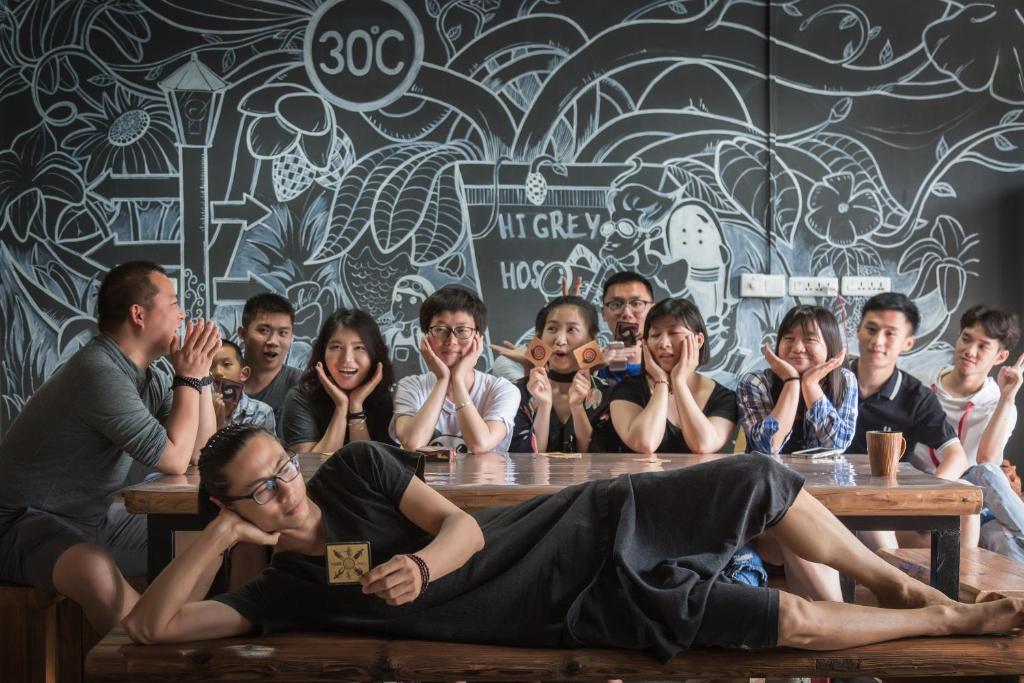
892, 399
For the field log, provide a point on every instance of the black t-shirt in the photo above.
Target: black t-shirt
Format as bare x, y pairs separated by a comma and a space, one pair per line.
561, 436
305, 420
905, 405
274, 394
721, 403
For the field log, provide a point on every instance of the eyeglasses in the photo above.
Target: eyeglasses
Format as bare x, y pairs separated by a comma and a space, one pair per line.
635, 305
267, 489
442, 332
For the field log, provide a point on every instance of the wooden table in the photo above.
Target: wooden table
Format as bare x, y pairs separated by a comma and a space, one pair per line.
912, 500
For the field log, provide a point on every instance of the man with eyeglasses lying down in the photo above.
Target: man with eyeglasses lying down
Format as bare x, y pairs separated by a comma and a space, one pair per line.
454, 405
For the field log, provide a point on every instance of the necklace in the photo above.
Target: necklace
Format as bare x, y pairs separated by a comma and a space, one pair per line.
556, 376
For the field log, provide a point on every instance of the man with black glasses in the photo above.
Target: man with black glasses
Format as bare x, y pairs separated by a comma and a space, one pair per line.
625, 300
454, 404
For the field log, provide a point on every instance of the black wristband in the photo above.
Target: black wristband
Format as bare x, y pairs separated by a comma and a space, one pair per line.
791, 379
361, 415
194, 382
424, 571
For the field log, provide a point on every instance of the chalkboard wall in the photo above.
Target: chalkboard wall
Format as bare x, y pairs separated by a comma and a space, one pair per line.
366, 152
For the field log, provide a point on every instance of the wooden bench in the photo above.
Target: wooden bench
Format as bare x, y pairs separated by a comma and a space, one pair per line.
43, 637
297, 657
982, 571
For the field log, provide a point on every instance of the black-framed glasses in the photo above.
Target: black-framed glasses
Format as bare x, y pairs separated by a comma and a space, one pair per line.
442, 332
635, 305
267, 489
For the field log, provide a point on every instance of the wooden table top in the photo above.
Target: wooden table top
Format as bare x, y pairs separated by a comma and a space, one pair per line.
844, 485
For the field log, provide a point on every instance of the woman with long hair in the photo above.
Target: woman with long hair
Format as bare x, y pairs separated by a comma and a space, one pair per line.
805, 399
345, 393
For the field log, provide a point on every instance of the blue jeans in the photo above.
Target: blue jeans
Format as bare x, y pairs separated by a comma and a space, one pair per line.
746, 567
1003, 533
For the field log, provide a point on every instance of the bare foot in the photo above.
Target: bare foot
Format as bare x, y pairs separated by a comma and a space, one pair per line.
909, 593
996, 616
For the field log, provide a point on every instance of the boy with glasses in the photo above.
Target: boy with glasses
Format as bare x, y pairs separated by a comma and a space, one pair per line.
454, 404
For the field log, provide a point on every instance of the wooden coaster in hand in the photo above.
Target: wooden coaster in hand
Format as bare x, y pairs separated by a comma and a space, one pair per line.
347, 562
589, 355
538, 352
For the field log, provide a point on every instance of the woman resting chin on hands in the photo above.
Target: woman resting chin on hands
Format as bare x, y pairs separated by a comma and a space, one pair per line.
672, 408
805, 399
344, 394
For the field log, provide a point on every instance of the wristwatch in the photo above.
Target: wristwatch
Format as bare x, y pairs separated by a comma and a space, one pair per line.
194, 382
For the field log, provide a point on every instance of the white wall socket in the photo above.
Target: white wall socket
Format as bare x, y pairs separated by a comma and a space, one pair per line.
813, 286
762, 286
866, 286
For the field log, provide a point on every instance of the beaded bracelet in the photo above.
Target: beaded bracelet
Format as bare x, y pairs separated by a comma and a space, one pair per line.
463, 405
424, 571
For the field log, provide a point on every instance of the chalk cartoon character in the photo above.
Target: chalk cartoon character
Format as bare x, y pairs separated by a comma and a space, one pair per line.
403, 336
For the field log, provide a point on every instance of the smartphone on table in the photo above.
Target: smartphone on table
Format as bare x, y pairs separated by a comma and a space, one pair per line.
819, 452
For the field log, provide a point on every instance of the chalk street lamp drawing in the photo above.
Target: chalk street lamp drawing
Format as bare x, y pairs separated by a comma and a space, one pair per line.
195, 95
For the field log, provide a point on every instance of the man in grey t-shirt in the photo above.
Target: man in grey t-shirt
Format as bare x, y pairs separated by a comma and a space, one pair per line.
69, 451
266, 335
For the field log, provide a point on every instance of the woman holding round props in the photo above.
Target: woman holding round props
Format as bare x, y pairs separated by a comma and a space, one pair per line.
672, 408
805, 399
367, 545
559, 399
345, 393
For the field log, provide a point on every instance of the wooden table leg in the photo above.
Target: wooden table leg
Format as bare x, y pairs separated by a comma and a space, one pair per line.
945, 531
160, 539
945, 569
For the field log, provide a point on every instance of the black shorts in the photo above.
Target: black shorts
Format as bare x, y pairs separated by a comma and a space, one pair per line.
739, 615
31, 543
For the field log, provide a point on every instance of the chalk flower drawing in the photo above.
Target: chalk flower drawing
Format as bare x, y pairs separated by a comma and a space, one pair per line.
33, 173
839, 213
131, 135
288, 116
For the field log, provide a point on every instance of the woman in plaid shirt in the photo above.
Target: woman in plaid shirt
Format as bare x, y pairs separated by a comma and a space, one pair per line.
805, 399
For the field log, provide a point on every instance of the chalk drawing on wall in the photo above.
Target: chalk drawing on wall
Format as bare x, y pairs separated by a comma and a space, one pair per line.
367, 152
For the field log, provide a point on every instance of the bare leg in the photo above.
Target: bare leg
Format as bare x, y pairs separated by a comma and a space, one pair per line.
88, 575
876, 540
832, 626
812, 532
809, 579
803, 578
